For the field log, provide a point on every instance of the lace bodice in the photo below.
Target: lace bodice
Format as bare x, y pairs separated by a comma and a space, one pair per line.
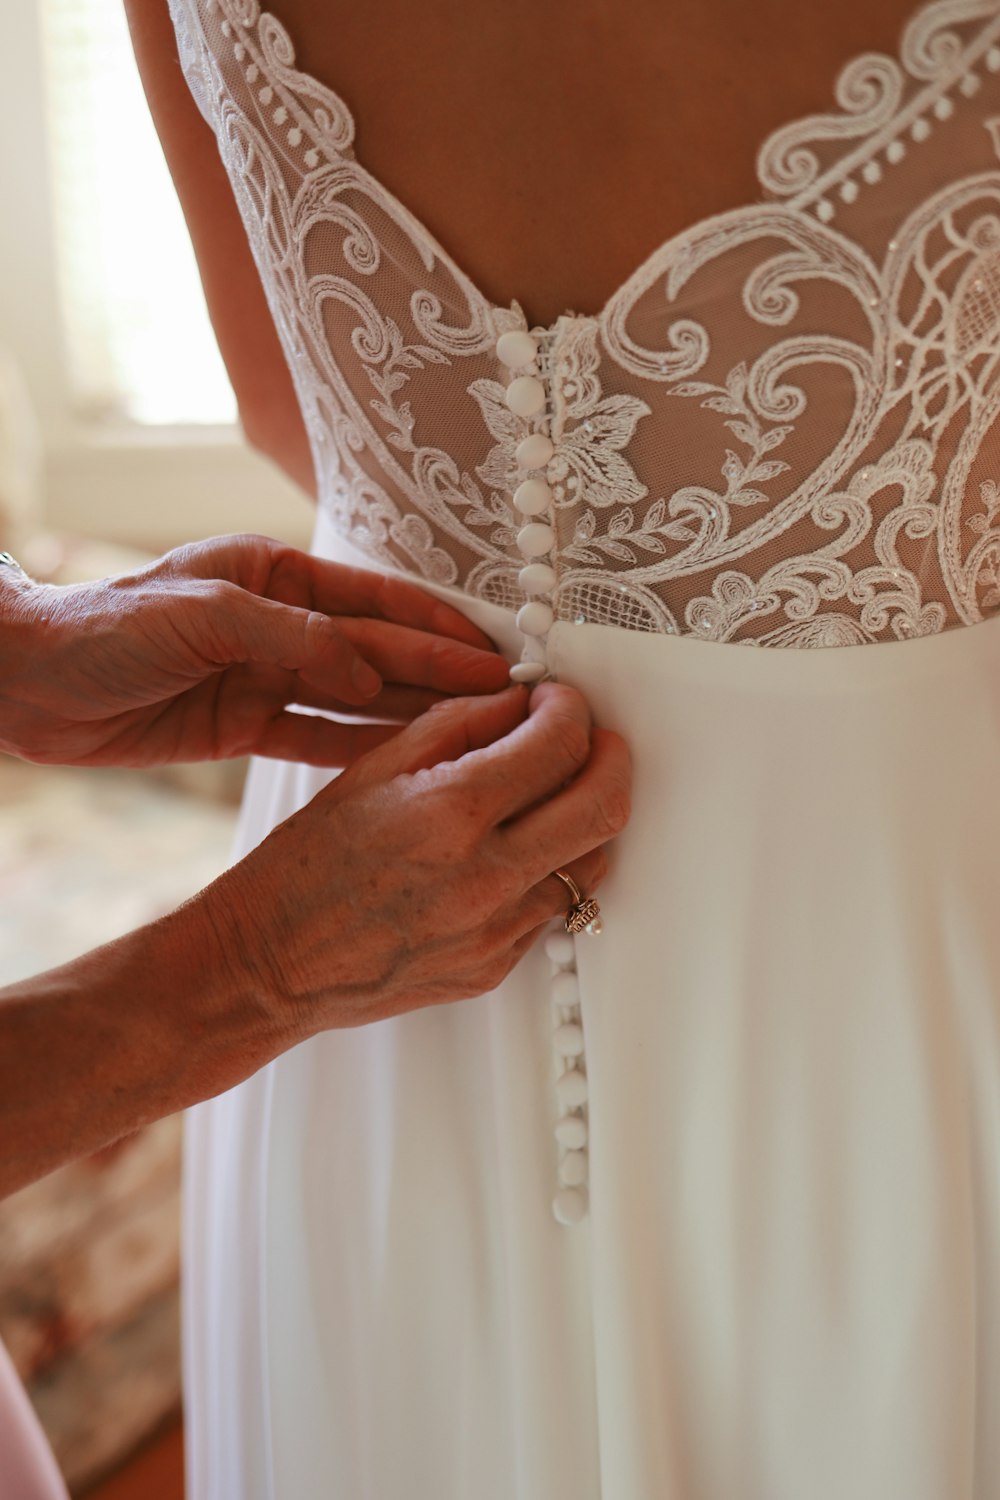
782, 429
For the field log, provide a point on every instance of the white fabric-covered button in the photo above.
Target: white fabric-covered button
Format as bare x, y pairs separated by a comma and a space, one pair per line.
532, 497
571, 1089
534, 451
559, 946
565, 988
527, 671
525, 396
571, 1132
573, 1168
534, 618
515, 349
568, 1039
570, 1205
537, 578
535, 539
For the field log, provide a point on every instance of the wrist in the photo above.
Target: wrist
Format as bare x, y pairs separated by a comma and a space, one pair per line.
257, 952
222, 1023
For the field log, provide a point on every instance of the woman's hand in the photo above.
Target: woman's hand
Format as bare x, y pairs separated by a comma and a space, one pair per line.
423, 873
419, 876
199, 655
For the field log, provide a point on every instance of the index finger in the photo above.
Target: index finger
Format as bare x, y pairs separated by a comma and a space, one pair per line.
339, 589
421, 658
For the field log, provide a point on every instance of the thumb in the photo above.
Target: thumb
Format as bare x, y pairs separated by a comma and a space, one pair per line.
446, 732
245, 628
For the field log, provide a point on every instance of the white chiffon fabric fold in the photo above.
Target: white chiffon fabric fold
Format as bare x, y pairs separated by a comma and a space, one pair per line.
787, 1286
28, 1469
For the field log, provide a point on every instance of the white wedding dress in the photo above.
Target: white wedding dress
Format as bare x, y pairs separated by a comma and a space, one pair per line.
761, 509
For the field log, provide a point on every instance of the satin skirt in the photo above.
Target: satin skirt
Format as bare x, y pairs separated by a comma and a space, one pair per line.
788, 1285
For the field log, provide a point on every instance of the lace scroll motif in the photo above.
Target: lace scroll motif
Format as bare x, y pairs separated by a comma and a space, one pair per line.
781, 430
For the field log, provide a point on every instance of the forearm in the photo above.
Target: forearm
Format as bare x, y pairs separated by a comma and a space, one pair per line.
18, 657
124, 1035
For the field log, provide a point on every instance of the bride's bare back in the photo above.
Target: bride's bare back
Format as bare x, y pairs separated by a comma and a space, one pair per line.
550, 148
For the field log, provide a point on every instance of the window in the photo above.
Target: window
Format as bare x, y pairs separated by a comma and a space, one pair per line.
101, 310
139, 343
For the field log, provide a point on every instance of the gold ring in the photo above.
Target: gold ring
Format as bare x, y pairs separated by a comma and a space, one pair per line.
584, 915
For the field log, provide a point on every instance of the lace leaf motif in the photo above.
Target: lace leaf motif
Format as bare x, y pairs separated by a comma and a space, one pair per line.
931, 309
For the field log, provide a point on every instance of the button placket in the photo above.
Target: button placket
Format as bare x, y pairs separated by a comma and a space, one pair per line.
570, 1202
527, 396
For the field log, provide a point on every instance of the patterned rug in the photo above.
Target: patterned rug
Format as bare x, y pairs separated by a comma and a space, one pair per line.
89, 1255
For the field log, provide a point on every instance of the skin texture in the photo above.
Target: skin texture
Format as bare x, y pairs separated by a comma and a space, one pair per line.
418, 877
452, 828
554, 149
198, 656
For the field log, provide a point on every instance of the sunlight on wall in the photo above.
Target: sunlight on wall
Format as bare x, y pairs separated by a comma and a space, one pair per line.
139, 341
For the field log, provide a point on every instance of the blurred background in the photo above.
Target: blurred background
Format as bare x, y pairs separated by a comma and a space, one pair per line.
117, 441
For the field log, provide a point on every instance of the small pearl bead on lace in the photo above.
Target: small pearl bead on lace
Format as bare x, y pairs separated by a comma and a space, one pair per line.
265, 94
918, 130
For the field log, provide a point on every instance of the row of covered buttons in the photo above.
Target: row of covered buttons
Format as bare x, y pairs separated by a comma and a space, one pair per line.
570, 1202
526, 397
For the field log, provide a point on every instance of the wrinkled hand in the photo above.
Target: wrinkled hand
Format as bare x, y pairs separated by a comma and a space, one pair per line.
423, 873
199, 655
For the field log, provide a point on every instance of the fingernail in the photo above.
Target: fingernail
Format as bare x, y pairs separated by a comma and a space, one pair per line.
365, 678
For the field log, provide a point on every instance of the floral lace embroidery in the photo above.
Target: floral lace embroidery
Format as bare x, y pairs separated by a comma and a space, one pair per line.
780, 430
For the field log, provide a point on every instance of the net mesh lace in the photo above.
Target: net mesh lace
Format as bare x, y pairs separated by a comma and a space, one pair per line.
781, 430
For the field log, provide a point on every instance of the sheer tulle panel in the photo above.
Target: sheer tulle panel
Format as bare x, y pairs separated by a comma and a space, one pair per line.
780, 430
